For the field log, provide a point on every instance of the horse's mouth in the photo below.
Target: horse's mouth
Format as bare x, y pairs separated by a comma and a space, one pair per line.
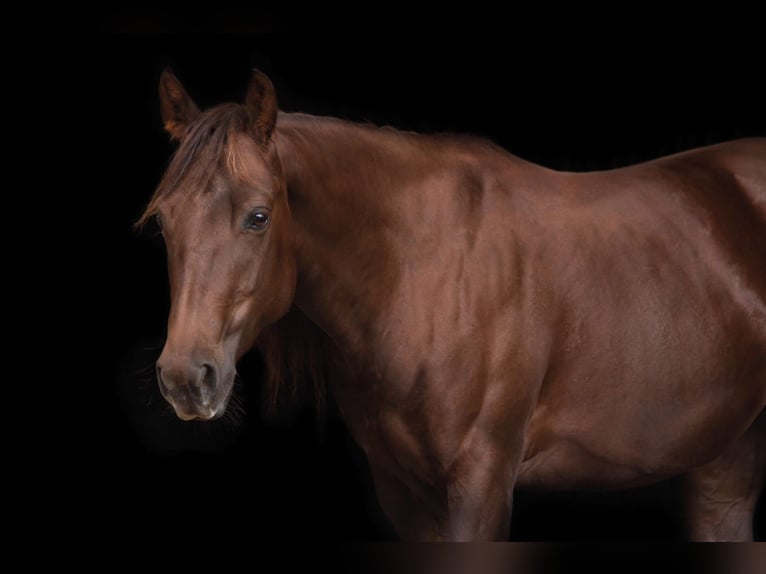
200, 400
202, 414
188, 409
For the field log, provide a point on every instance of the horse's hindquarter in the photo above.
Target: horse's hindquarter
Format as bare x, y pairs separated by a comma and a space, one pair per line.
660, 353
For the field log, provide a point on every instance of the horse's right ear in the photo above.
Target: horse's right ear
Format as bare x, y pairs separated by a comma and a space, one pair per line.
261, 102
177, 108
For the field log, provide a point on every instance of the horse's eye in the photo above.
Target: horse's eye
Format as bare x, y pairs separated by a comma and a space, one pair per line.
257, 220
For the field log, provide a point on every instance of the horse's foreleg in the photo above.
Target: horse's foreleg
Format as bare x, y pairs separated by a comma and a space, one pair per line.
721, 496
415, 511
480, 496
481, 477
471, 501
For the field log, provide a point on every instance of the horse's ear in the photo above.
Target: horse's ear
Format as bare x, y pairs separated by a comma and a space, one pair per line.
177, 108
261, 101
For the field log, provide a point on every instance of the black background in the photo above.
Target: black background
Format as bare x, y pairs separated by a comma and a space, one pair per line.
575, 100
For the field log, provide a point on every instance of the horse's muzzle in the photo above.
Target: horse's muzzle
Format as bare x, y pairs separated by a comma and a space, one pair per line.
191, 388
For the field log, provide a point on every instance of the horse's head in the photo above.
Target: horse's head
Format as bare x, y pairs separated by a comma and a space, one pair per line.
222, 207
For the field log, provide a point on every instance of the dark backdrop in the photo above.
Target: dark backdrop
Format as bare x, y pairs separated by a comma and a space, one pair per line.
548, 99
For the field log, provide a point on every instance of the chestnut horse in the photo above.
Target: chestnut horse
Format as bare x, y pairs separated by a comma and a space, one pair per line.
483, 323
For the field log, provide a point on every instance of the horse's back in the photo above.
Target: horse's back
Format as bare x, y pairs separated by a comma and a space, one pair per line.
726, 186
738, 165
715, 196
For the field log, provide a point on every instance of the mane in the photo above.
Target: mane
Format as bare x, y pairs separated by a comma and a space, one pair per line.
204, 151
296, 351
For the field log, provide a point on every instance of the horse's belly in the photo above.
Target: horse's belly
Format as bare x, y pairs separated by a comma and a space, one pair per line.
569, 463
579, 446
566, 464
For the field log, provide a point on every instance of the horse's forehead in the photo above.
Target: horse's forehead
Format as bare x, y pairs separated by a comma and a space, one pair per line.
247, 163
228, 178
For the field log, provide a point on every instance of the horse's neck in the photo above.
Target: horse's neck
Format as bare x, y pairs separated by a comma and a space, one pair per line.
342, 179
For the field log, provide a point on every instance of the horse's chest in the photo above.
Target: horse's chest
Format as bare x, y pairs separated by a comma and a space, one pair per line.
408, 425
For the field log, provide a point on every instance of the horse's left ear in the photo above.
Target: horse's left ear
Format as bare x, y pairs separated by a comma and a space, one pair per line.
261, 101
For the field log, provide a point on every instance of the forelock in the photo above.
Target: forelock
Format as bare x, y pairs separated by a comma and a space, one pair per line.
208, 147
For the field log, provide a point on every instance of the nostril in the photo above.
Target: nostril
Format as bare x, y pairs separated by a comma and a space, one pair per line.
203, 388
208, 378
163, 387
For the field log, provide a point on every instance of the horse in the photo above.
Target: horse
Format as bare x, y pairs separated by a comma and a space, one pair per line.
482, 322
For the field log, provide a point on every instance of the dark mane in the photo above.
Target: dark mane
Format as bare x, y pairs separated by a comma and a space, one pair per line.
205, 149
295, 351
